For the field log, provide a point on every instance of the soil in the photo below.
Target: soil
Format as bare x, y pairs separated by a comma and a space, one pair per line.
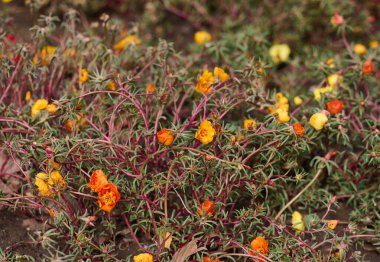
14, 235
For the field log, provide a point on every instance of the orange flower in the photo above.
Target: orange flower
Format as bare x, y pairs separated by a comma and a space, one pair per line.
335, 106
204, 82
97, 180
165, 137
108, 197
207, 259
367, 67
298, 129
150, 88
331, 224
206, 208
260, 245
205, 133
69, 125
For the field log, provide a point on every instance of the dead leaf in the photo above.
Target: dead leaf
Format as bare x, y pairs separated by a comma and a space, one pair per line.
189, 249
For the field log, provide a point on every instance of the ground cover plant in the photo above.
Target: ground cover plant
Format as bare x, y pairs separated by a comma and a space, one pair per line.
190, 131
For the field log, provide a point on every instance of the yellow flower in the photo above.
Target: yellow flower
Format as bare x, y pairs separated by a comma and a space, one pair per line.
283, 115
111, 86
318, 121
297, 100
204, 82
39, 105
127, 41
51, 108
360, 49
219, 73
205, 133
46, 55
249, 124
40, 182
330, 62
321, 90
7, 1
83, 76
56, 181
333, 80
69, 53
279, 53
202, 37
297, 221
28, 96
374, 44
144, 257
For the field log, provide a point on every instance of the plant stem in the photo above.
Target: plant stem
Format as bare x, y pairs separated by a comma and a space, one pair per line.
300, 193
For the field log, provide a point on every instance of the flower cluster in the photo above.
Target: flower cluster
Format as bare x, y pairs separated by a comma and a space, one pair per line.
50, 184
108, 194
205, 81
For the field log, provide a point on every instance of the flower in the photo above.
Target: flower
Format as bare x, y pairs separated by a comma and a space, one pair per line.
330, 62
83, 76
127, 41
259, 244
165, 137
205, 133
321, 90
331, 224
108, 197
204, 82
97, 180
150, 88
333, 80
111, 86
144, 257
219, 73
7, 1
298, 129
282, 115
206, 208
56, 181
202, 37
249, 124
297, 221
51, 108
335, 106
46, 55
39, 105
45, 183
279, 53
28, 96
207, 259
41, 183
318, 121
360, 49
297, 100
336, 19
374, 44
69, 125
367, 67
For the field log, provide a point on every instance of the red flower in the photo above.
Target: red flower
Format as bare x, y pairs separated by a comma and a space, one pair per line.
367, 68
11, 38
335, 106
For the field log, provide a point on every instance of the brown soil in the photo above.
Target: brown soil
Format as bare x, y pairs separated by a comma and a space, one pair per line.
14, 235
